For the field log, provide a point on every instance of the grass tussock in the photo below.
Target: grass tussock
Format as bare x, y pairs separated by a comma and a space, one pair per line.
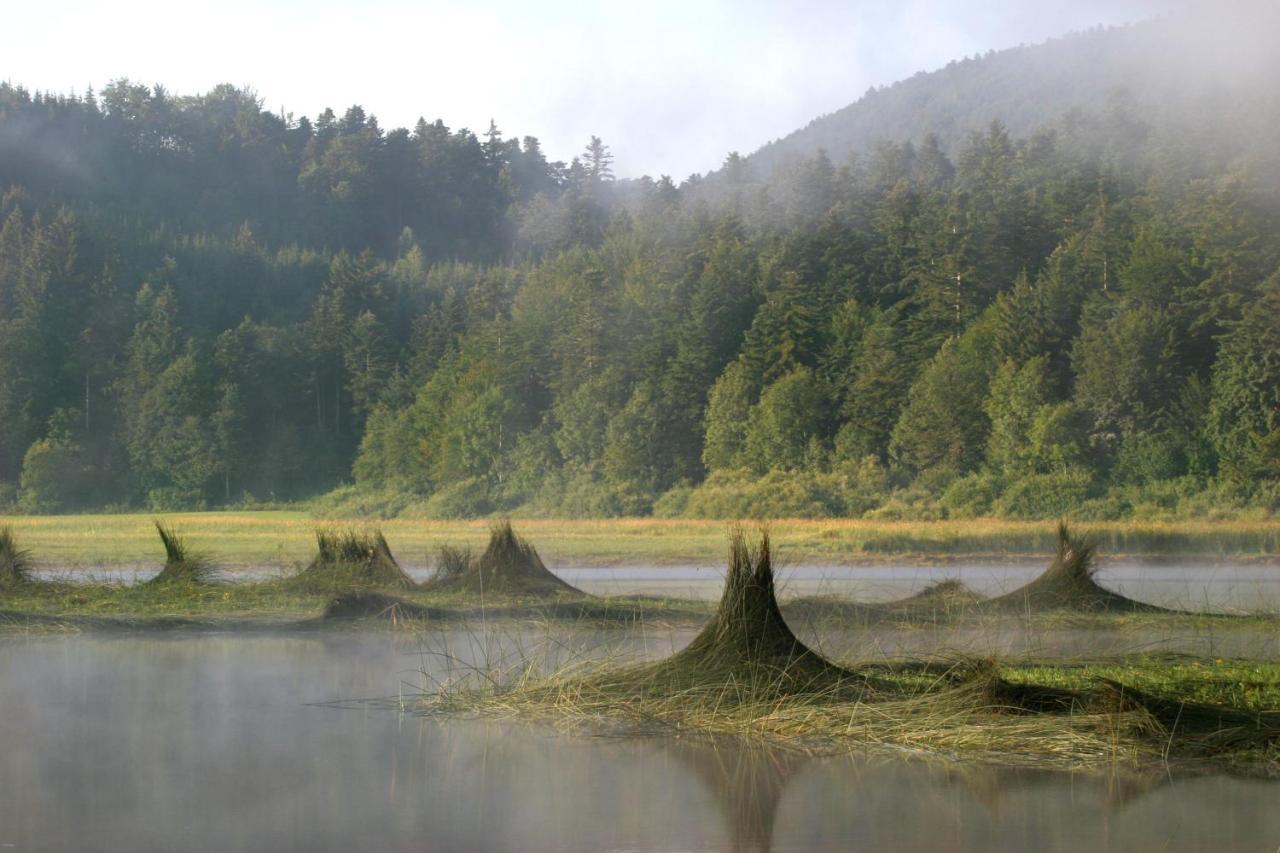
181, 564
747, 674
352, 559
15, 562
453, 564
509, 566
1069, 584
944, 601
747, 642
1068, 587
945, 595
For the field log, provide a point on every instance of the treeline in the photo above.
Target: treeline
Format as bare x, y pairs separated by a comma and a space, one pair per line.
214, 163
1085, 320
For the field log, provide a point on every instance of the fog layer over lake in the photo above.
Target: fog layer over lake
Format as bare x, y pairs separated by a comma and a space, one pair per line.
213, 743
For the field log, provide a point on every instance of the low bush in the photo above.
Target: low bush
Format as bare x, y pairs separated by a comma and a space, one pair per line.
971, 496
1039, 496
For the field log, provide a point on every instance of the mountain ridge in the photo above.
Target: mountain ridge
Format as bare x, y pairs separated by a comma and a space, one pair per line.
1161, 70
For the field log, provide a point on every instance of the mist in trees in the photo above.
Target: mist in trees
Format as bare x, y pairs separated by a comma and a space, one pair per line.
206, 303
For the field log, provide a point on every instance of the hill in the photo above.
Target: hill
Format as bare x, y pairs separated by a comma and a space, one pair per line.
1064, 301
1199, 72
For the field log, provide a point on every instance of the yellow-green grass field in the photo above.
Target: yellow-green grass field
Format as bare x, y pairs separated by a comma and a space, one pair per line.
286, 540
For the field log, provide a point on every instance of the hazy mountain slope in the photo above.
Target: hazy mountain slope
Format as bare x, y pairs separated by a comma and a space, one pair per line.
1209, 71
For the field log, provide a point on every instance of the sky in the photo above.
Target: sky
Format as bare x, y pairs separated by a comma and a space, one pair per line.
671, 86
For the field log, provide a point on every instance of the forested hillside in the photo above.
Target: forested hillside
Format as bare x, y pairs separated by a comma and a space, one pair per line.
1197, 75
205, 303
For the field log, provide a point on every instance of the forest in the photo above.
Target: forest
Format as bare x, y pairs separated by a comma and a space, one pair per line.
204, 303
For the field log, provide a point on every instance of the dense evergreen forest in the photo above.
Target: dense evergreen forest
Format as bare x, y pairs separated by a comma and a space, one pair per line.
206, 303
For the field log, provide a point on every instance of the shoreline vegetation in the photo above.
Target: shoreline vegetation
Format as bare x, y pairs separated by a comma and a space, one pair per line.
745, 672
285, 540
351, 573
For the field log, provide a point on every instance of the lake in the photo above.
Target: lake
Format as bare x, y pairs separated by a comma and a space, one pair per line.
251, 742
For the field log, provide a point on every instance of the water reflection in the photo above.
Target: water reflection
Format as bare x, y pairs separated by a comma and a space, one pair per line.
746, 782
210, 743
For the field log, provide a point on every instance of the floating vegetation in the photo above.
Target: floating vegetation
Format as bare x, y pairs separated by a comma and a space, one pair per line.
352, 558
1069, 584
747, 674
510, 565
15, 562
181, 565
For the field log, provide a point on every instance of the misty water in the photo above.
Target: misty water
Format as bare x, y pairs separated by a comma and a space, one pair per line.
260, 742
1201, 587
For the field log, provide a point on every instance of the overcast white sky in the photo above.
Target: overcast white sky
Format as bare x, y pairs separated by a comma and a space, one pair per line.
670, 85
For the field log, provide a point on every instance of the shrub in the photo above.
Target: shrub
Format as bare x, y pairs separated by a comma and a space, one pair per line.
971, 496
53, 476
355, 502
1109, 507
175, 499
1149, 457
8, 496
1045, 495
467, 498
864, 484
673, 503
911, 504
588, 495
778, 494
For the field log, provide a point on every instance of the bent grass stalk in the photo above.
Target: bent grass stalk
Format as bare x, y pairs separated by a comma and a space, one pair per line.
15, 562
181, 564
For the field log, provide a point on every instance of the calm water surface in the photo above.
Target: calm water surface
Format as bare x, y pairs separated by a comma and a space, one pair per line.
213, 742
1230, 587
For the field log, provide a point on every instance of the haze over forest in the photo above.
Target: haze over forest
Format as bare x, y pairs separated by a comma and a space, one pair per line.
1042, 280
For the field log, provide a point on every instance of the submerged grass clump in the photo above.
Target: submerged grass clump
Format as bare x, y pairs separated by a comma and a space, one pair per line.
181, 564
351, 559
510, 565
15, 562
746, 673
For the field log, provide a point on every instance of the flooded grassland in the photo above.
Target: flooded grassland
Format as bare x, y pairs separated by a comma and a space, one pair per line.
349, 702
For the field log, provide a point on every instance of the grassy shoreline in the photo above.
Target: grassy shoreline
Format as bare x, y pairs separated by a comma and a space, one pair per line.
286, 539
747, 674
922, 708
